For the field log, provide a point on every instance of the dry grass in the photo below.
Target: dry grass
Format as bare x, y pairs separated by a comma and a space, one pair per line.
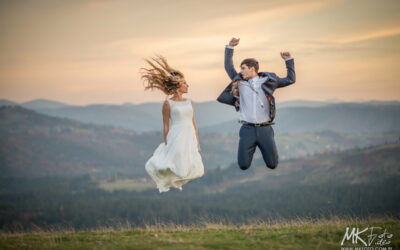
158, 226
299, 233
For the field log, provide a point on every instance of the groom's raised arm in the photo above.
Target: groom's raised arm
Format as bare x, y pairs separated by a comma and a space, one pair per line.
228, 61
291, 75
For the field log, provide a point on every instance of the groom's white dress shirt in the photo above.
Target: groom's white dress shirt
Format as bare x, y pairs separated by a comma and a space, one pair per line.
254, 108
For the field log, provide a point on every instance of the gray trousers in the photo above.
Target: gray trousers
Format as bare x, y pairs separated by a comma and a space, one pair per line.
263, 137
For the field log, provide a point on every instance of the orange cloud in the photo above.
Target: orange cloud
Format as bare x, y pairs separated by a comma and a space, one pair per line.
382, 33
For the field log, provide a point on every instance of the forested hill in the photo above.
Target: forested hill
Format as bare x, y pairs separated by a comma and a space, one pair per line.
357, 166
33, 144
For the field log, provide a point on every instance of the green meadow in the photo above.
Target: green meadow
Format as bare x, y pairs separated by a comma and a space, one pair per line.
294, 234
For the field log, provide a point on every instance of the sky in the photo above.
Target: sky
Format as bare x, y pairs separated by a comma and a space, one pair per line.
90, 51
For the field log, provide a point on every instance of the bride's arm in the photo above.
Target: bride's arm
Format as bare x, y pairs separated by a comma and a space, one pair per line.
195, 127
165, 113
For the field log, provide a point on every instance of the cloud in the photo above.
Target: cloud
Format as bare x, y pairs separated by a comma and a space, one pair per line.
95, 45
381, 33
240, 21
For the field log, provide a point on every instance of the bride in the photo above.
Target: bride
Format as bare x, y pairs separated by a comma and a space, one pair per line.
177, 160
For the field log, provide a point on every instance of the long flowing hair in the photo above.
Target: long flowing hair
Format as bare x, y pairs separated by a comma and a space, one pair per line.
161, 76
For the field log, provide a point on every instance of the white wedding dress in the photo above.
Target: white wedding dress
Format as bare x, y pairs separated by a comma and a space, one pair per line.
177, 162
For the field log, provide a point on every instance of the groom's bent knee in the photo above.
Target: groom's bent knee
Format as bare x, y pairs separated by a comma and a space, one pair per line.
244, 166
244, 162
272, 164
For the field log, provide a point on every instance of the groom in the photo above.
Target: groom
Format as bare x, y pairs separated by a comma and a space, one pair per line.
251, 92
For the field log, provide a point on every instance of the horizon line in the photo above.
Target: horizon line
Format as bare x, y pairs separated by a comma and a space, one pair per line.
131, 103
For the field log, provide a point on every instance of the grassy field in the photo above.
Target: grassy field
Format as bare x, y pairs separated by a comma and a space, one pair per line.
296, 234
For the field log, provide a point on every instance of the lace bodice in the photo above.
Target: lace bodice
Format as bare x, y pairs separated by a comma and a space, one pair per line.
181, 111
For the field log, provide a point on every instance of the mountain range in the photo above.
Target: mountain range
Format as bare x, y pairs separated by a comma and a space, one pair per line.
34, 144
213, 117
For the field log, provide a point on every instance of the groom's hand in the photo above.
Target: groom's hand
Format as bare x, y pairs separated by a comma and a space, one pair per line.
235, 89
286, 55
234, 41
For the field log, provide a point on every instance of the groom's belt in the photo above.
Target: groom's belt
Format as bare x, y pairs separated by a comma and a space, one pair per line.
257, 124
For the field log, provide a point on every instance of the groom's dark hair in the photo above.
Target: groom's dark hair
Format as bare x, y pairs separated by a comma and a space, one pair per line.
251, 62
